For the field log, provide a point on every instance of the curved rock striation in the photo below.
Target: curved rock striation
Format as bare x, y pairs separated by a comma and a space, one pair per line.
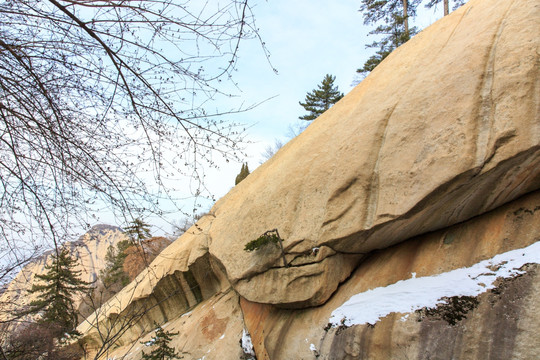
500, 323
181, 277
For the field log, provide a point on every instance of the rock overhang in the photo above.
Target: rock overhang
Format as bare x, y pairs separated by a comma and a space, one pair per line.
440, 132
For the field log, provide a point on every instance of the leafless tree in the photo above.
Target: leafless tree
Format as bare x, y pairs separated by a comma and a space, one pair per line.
103, 101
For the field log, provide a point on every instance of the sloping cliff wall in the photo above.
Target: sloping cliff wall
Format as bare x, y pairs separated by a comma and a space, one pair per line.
429, 165
500, 323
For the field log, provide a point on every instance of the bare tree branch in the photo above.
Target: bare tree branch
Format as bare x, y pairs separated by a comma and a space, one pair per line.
103, 101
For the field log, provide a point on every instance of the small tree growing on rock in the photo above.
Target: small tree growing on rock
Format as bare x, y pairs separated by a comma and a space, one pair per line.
270, 236
162, 350
138, 231
244, 172
55, 294
321, 99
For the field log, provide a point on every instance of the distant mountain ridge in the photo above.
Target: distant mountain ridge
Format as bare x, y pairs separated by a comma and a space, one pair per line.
89, 249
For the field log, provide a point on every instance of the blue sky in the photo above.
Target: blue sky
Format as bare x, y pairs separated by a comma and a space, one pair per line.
307, 40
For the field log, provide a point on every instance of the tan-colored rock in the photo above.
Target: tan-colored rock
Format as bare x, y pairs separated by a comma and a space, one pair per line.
504, 325
410, 172
181, 277
212, 331
445, 129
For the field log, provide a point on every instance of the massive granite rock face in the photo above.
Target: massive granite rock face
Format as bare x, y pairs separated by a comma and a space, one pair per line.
501, 323
445, 129
430, 164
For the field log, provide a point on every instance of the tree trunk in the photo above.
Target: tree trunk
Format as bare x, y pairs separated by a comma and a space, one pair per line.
406, 16
446, 11
2, 355
281, 246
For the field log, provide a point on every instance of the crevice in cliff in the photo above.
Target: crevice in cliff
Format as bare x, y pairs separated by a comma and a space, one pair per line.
457, 200
463, 14
485, 111
342, 203
372, 198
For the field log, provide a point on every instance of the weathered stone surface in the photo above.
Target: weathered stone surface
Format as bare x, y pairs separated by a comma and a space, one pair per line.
445, 129
504, 325
302, 285
180, 277
139, 256
211, 331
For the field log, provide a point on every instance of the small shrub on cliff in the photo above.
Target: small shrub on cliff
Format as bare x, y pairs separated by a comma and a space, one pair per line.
244, 172
162, 350
452, 311
261, 241
270, 236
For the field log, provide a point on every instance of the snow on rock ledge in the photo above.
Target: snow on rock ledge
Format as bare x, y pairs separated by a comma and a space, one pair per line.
413, 294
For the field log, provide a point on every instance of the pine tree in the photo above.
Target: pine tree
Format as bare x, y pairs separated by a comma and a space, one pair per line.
446, 6
385, 10
321, 99
244, 172
114, 273
396, 35
55, 294
395, 15
162, 350
138, 231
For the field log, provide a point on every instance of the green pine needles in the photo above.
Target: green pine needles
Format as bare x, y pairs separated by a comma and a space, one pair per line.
114, 273
138, 231
55, 293
161, 349
244, 172
270, 236
321, 99
262, 241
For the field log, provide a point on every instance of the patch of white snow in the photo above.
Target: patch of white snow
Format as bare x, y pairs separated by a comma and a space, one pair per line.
409, 295
247, 345
186, 314
150, 342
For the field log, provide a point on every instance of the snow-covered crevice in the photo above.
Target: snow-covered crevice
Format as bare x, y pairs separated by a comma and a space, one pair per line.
247, 345
409, 295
